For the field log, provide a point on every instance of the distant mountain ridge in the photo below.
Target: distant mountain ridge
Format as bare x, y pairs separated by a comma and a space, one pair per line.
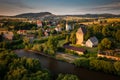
96, 15
31, 15
42, 14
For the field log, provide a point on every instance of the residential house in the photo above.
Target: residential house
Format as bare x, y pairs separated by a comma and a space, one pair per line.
58, 28
22, 32
92, 42
31, 37
39, 23
8, 35
80, 35
47, 32
1, 24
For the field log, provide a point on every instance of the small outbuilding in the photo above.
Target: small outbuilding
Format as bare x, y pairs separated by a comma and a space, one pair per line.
92, 42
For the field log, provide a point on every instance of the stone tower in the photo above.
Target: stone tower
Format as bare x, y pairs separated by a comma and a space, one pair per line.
80, 35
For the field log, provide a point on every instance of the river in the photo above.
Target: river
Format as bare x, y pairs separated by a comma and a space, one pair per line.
56, 67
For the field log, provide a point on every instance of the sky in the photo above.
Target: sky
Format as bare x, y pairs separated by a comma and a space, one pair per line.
59, 7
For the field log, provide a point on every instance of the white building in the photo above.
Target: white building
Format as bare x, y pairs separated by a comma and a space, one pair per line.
39, 23
68, 27
92, 42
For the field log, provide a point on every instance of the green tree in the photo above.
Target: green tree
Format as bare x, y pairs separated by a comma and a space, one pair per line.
106, 31
87, 35
117, 35
81, 62
40, 33
73, 37
51, 45
67, 77
16, 36
105, 44
15, 68
117, 67
67, 39
37, 47
26, 40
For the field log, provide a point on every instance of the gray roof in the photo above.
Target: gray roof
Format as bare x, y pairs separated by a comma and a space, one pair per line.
93, 39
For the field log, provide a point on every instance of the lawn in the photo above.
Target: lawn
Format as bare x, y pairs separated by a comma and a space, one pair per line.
61, 42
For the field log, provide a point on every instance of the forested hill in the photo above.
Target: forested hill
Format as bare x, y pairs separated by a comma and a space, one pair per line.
32, 15
106, 15
43, 14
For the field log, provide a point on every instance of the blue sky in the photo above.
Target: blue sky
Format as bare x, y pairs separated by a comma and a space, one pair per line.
59, 7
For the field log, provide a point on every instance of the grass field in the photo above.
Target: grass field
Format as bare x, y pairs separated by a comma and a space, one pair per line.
113, 19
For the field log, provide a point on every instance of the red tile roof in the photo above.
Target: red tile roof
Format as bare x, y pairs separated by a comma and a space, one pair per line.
74, 48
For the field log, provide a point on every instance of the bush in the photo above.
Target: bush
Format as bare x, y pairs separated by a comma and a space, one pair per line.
67, 77
81, 62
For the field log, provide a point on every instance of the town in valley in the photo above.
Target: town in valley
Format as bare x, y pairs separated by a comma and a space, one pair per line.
86, 41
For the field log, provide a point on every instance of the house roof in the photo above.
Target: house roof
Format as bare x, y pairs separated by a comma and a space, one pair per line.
93, 39
74, 48
30, 35
82, 30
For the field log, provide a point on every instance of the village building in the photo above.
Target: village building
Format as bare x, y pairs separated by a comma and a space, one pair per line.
80, 35
1, 24
91, 42
39, 23
8, 35
31, 37
58, 28
47, 32
68, 27
22, 32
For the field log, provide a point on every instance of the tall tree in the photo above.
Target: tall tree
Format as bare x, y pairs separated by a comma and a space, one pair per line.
105, 44
73, 37
51, 45
118, 35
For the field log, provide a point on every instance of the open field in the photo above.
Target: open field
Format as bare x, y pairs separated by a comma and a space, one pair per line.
113, 19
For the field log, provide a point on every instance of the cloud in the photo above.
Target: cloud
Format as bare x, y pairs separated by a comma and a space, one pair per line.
104, 8
15, 3
108, 7
12, 7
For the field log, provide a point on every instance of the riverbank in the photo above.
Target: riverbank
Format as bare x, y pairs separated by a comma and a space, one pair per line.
56, 67
59, 56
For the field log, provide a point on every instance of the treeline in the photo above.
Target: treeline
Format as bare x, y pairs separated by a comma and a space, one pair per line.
16, 44
99, 65
16, 25
58, 37
110, 32
46, 45
13, 67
